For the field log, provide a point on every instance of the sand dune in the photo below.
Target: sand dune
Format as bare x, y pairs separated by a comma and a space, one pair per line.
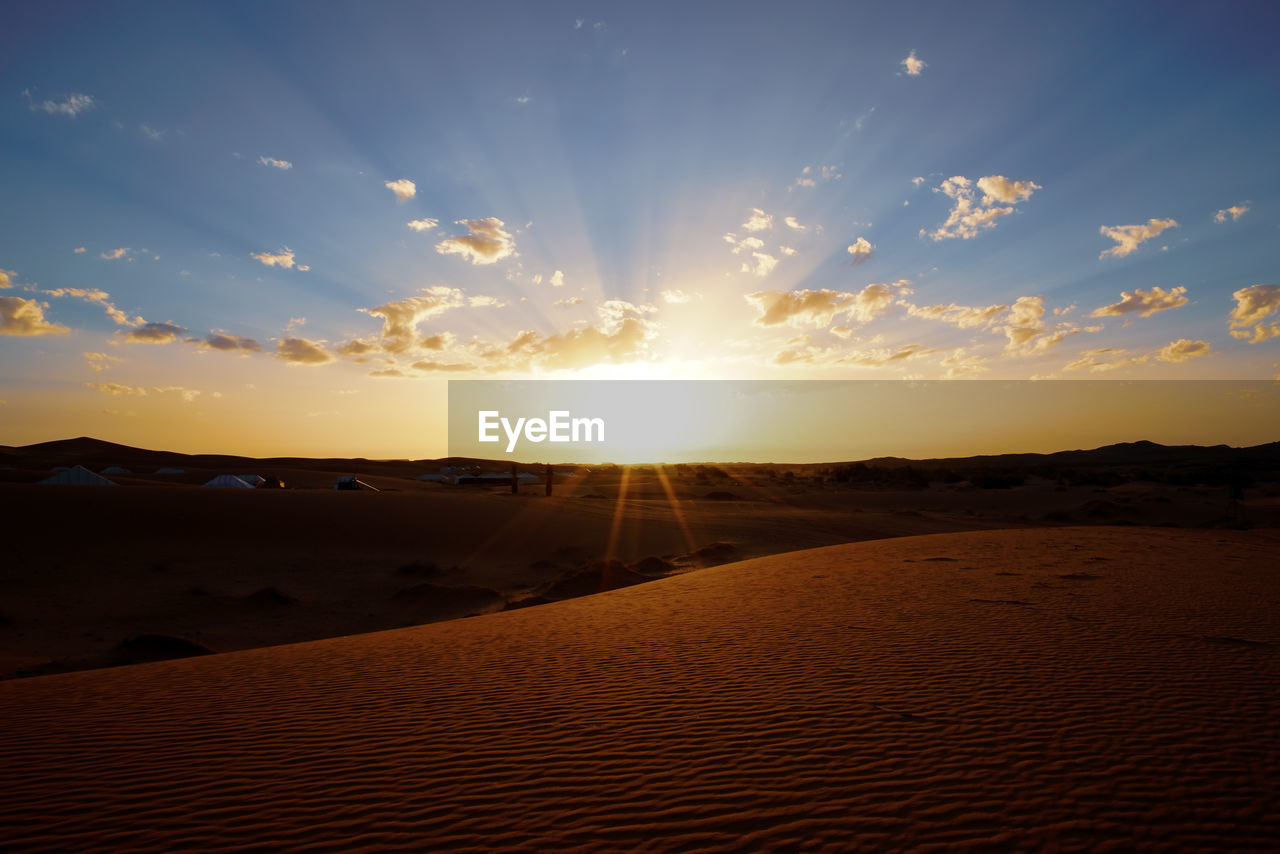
1065, 689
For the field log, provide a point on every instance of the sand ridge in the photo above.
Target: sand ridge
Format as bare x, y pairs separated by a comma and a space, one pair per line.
1067, 689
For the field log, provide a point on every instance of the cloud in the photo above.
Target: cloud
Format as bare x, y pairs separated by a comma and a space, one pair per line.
811, 176
403, 188
1026, 331
675, 296
400, 319
115, 254
227, 343
1104, 359
962, 364
567, 303
758, 220
621, 336
278, 164
793, 224
71, 106
997, 188
100, 361
101, 298
79, 250
1128, 237
188, 394
819, 308
913, 65
153, 134
917, 181
487, 242
963, 316
1183, 349
788, 251
1253, 305
154, 333
746, 244
284, 258
6, 278
423, 224
802, 350
761, 264
860, 249
25, 317
301, 351
1146, 303
440, 341
116, 389
1235, 212
557, 279
971, 215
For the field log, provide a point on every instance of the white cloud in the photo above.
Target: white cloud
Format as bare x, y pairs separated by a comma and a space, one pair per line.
25, 317
861, 250
1128, 237
746, 244
1105, 359
971, 215
278, 164
1253, 305
425, 224
557, 279
819, 308
997, 188
1184, 349
151, 133
284, 258
761, 264
487, 242
1235, 212
963, 316
403, 188
675, 296
913, 65
71, 106
101, 298
758, 220
917, 181
811, 176
794, 225
788, 251
116, 389
1145, 302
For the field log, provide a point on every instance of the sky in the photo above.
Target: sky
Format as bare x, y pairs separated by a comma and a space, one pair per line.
281, 228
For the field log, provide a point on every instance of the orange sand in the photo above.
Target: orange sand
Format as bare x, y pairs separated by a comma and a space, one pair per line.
1065, 689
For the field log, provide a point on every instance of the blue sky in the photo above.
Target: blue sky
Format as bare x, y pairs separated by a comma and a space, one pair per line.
605, 190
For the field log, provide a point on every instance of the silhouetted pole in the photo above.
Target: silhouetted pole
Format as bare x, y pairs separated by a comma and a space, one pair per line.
515, 484
549, 479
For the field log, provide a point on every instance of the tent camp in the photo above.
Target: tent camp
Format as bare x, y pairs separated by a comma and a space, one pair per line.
228, 481
116, 470
435, 478
254, 480
78, 476
350, 481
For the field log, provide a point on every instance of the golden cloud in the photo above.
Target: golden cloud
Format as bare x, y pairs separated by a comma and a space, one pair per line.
487, 242
25, 318
1146, 303
1129, 237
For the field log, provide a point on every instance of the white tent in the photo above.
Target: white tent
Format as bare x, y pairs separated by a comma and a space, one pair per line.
228, 481
254, 480
78, 476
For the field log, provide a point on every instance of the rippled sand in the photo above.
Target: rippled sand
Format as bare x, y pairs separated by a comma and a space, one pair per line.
1066, 689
